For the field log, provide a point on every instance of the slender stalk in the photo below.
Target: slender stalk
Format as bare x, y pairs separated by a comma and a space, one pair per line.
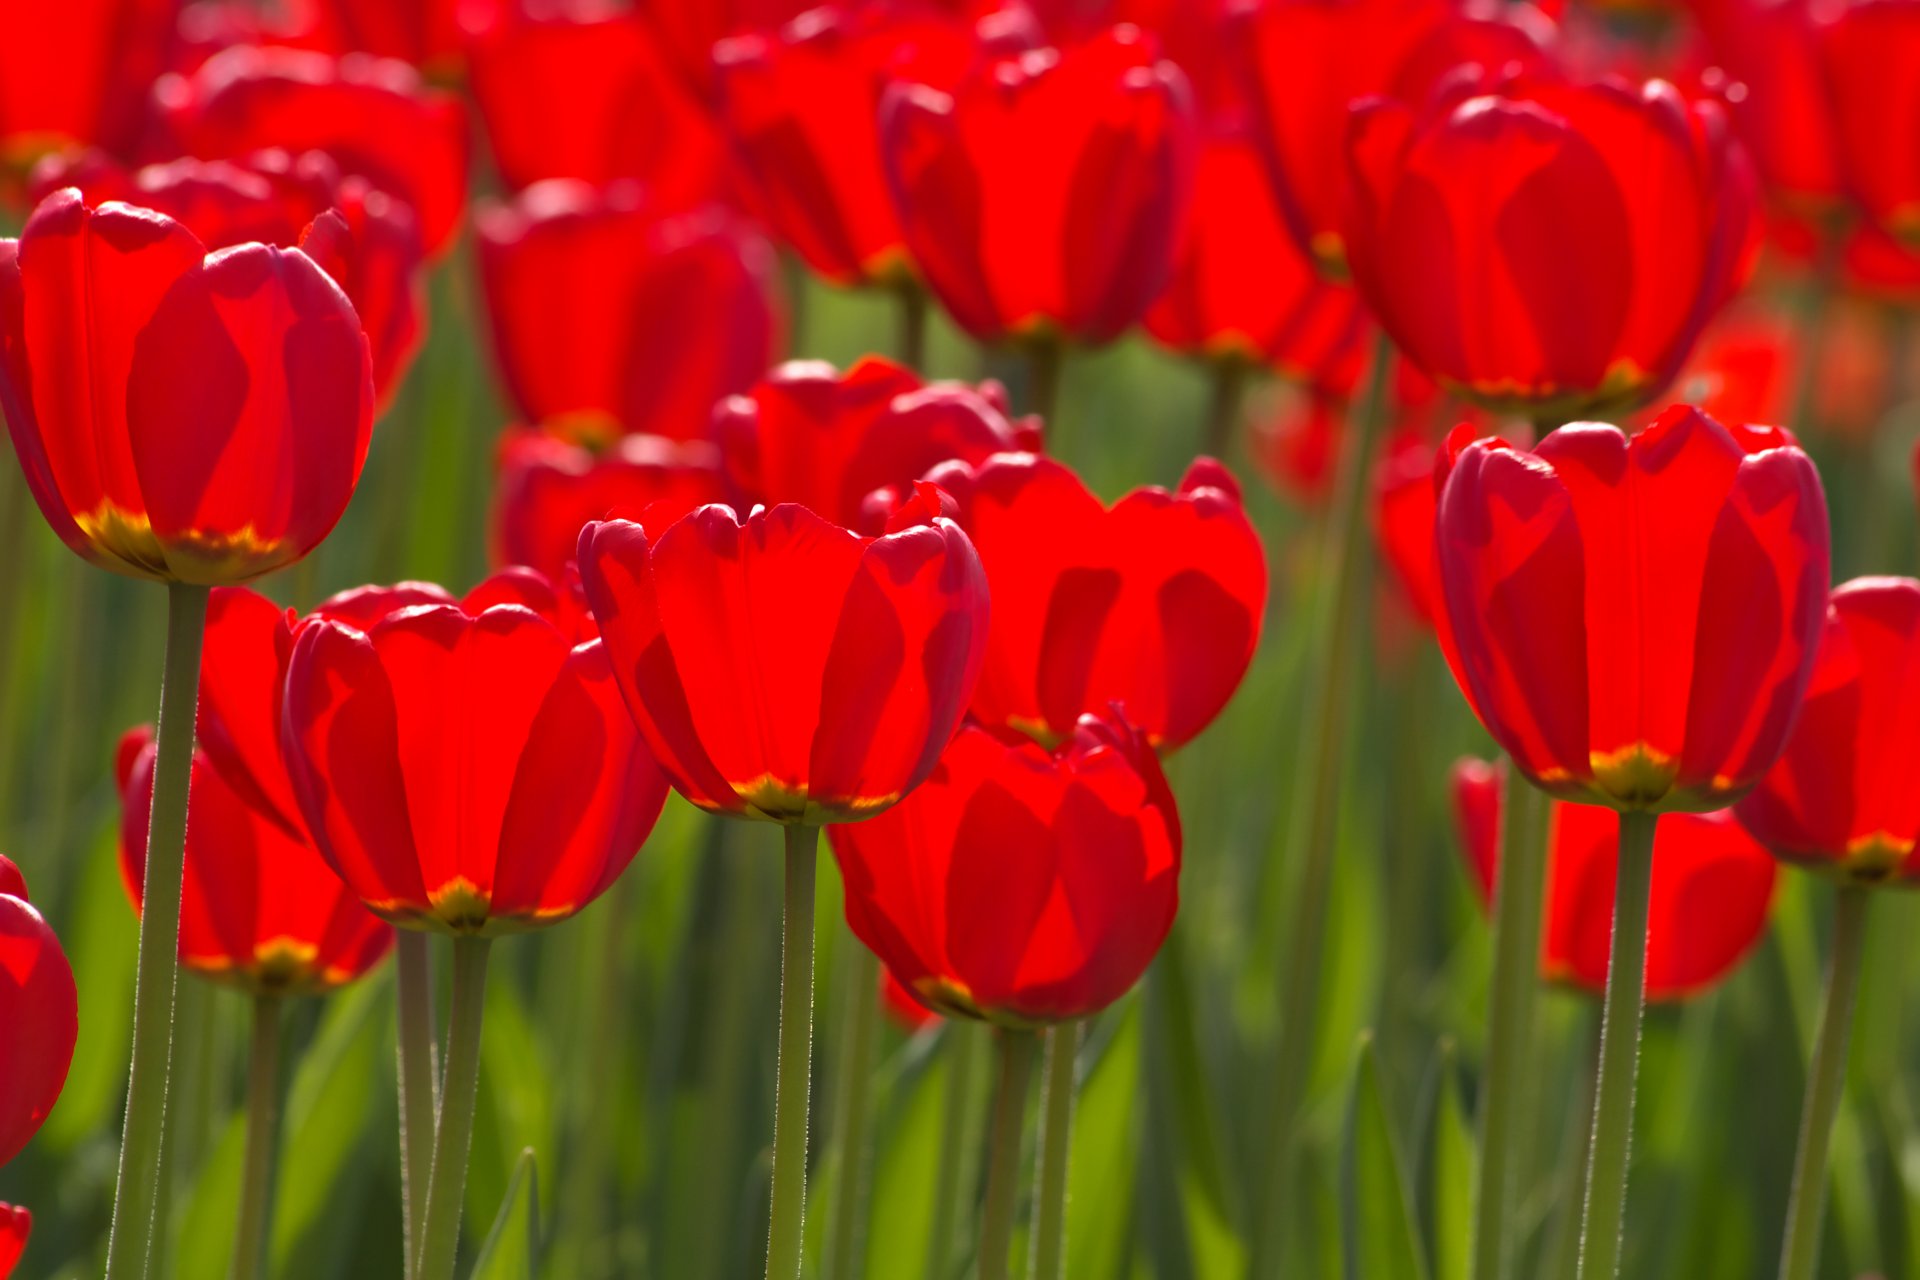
1604, 1218
263, 1137
453, 1136
1044, 358
913, 324
1224, 405
1003, 1159
1826, 1076
962, 1047
850, 1114
1056, 1146
1516, 970
130, 1245
1325, 752
794, 1079
419, 1075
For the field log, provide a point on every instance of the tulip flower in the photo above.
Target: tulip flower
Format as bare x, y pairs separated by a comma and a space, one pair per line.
40, 1009
1154, 604
1044, 196
426, 33
1784, 113
1405, 503
1870, 52
811, 435
372, 115
1302, 62
1712, 887
549, 488
74, 74
609, 317
581, 90
1460, 211
1841, 802
372, 250
786, 669
15, 1225
688, 30
903, 1006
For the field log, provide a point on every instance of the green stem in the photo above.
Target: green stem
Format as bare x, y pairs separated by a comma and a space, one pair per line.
1003, 1160
1044, 358
1800, 1252
1224, 405
1342, 634
793, 1081
1516, 971
1604, 1219
913, 324
1810, 319
419, 1074
130, 1245
962, 1047
1056, 1145
453, 1136
850, 1113
263, 1135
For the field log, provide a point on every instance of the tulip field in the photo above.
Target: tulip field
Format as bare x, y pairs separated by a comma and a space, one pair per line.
960, 639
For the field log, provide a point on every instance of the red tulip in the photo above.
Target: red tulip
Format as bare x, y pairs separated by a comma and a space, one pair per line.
610, 318
801, 105
902, 1005
15, 1225
581, 90
1783, 110
1842, 798
262, 910
463, 767
1462, 214
373, 253
373, 115
426, 33
1870, 50
1242, 289
180, 415
1045, 195
689, 29
1405, 503
548, 489
40, 1010
1017, 885
783, 668
1295, 440
1635, 620
1301, 62
78, 73
1712, 888
809, 434
1153, 605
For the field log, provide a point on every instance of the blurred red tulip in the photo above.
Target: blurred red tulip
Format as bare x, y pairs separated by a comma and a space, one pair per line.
1242, 289
783, 668
77, 73
15, 1225
373, 253
426, 33
1301, 62
1294, 443
1842, 798
1712, 888
579, 89
809, 434
1045, 195
1021, 886
1153, 605
1462, 214
1870, 50
180, 415
1405, 503
462, 766
802, 104
1635, 620
39, 1008
689, 29
548, 489
374, 116
903, 1006
609, 318
1782, 108
262, 911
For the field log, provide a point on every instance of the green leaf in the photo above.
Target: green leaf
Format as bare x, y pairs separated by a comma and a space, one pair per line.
101, 939
1106, 1142
1455, 1162
1383, 1242
511, 1250
906, 1163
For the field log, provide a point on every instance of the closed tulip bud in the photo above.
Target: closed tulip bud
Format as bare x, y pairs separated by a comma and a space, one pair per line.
39, 1007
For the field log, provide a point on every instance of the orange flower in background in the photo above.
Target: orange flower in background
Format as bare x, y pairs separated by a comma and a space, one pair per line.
1712, 888
1635, 620
39, 1007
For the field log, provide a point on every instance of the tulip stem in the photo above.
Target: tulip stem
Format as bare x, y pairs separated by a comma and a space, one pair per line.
1602, 1225
850, 1112
1229, 397
419, 1076
1325, 753
1056, 1146
263, 1136
1826, 1077
913, 324
142, 1146
1044, 358
961, 1044
793, 1080
453, 1135
1003, 1158
1516, 967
